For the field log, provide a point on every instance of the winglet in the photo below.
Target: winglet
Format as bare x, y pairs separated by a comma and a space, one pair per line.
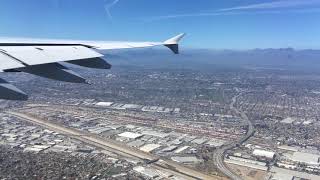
173, 43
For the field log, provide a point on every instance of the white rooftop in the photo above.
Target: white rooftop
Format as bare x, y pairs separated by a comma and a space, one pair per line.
305, 158
181, 149
216, 142
155, 133
149, 147
131, 106
189, 159
151, 173
104, 103
263, 153
130, 135
291, 173
288, 120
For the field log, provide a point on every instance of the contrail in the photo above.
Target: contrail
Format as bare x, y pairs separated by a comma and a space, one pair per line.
108, 7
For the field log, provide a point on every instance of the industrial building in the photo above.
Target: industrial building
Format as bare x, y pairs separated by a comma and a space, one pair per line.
181, 149
186, 160
284, 174
169, 149
288, 148
132, 106
263, 153
147, 172
199, 140
105, 104
253, 166
288, 120
307, 158
155, 133
215, 142
136, 143
149, 147
130, 135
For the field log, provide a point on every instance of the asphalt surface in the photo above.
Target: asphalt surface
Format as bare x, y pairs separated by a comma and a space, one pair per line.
219, 154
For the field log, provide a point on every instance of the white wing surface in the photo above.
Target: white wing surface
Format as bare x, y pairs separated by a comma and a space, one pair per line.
42, 56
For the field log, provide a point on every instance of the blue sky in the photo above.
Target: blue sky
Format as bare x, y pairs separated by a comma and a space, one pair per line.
217, 24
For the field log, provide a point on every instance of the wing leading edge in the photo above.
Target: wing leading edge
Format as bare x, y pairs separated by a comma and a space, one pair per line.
43, 57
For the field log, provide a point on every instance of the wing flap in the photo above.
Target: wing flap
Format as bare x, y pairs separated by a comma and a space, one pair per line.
98, 63
54, 71
34, 55
6, 62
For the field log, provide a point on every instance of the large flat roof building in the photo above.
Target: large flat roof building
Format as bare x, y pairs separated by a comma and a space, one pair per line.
308, 158
187, 160
281, 174
149, 147
106, 104
130, 135
154, 133
263, 153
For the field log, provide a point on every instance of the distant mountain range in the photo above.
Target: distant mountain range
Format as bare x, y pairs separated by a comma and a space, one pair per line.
285, 58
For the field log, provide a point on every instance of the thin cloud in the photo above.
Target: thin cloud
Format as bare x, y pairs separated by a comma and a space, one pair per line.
190, 15
108, 7
296, 11
276, 4
261, 8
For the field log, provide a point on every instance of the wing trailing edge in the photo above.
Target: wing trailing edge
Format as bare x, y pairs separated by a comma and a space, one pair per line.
54, 71
97, 63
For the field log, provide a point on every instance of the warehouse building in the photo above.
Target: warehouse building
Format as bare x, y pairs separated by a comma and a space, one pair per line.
263, 153
155, 133
169, 149
307, 158
181, 149
288, 120
186, 160
147, 172
130, 135
216, 142
104, 104
136, 143
284, 174
149, 147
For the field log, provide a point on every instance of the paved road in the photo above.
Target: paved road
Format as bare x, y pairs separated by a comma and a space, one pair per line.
113, 146
218, 156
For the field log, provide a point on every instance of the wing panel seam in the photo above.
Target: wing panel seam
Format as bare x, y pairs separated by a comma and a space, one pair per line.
14, 58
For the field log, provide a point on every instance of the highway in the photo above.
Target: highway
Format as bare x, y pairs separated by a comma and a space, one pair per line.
219, 154
118, 148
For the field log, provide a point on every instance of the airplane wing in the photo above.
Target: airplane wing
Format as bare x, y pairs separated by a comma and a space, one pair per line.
41, 57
